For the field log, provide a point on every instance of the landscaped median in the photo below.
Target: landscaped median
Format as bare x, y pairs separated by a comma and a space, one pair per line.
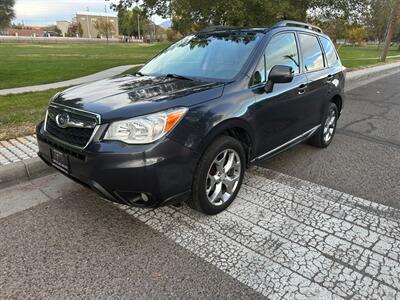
20, 113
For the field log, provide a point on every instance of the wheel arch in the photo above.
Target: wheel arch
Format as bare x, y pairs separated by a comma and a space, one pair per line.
338, 100
236, 128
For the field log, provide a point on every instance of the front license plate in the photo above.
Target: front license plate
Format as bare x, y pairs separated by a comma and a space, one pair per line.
60, 160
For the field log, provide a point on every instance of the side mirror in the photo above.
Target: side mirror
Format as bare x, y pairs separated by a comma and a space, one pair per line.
278, 74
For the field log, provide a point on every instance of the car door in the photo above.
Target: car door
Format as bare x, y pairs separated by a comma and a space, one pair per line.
278, 115
318, 76
335, 78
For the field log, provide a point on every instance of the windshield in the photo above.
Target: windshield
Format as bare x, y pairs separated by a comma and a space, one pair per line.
215, 56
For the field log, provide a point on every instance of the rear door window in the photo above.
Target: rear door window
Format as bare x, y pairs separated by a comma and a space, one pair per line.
311, 52
330, 52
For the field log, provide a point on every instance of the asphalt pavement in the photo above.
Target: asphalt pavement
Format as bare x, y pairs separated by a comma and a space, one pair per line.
311, 224
364, 157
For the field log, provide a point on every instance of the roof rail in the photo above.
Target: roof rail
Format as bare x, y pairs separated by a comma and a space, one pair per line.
297, 24
220, 28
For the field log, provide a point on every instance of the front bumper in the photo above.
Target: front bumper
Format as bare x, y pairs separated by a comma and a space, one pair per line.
122, 173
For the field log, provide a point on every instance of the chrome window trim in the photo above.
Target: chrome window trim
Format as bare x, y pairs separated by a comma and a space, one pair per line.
298, 138
79, 112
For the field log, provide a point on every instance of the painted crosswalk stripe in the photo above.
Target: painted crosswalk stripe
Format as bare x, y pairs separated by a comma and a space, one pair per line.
291, 239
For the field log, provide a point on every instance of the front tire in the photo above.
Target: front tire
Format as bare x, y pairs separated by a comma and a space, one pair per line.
218, 176
326, 132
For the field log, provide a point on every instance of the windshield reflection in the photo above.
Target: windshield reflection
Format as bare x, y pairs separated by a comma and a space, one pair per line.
205, 55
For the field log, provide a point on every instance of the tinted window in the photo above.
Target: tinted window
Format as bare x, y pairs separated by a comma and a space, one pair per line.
213, 55
281, 50
311, 52
330, 52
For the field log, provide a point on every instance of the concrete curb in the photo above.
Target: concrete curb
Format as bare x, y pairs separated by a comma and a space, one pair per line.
22, 171
358, 78
371, 71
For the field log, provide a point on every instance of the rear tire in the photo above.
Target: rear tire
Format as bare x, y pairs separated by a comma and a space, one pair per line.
218, 176
324, 136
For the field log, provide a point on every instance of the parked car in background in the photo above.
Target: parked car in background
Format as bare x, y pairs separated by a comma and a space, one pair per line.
51, 33
188, 124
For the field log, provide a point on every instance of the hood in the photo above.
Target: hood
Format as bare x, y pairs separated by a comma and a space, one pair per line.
130, 96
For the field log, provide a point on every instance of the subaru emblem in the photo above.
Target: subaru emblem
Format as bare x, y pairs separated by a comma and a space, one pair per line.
62, 120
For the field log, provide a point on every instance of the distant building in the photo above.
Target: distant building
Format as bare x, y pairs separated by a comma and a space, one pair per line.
63, 26
32, 31
88, 20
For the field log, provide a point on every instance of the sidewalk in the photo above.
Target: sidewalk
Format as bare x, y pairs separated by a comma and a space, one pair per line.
18, 149
81, 80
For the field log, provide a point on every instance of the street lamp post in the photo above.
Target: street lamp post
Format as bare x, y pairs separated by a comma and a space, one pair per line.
138, 24
107, 24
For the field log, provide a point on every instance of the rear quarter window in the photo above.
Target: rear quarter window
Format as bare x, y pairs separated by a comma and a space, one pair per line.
330, 52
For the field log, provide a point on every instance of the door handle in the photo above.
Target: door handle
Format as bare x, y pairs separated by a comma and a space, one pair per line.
302, 89
329, 78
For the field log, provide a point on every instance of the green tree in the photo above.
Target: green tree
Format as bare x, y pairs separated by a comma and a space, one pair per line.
131, 22
356, 34
192, 15
376, 18
392, 22
6, 12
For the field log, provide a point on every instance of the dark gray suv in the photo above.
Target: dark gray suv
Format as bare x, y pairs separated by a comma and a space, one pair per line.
188, 124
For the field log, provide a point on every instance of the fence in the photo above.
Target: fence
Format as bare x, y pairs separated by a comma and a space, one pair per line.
61, 40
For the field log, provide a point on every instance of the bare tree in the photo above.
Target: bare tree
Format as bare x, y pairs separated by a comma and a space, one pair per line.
104, 27
391, 27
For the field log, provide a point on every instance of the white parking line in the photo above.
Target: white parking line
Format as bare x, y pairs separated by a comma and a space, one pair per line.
292, 239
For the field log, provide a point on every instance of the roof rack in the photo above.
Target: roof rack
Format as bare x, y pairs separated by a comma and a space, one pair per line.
231, 28
220, 28
297, 24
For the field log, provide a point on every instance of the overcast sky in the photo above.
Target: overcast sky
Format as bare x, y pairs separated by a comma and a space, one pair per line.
46, 12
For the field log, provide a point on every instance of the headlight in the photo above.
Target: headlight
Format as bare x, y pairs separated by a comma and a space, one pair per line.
145, 129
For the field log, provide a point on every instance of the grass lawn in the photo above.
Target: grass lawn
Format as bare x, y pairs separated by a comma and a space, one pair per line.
30, 64
356, 57
20, 113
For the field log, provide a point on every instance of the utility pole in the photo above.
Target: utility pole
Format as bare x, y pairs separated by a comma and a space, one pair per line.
107, 22
391, 26
138, 24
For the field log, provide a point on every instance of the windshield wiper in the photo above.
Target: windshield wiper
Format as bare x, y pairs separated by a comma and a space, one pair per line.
178, 77
139, 73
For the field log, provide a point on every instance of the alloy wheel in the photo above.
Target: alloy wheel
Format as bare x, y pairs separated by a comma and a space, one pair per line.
329, 127
223, 177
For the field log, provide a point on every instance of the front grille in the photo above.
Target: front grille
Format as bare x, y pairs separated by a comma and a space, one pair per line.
61, 148
76, 136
